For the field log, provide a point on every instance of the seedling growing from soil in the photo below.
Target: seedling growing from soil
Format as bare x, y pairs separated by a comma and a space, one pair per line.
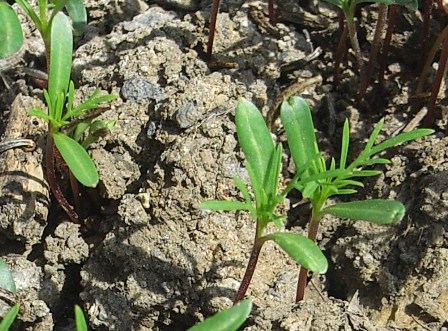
62, 113
318, 183
348, 8
11, 35
263, 164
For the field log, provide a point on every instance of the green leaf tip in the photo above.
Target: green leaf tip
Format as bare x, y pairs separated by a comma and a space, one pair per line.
377, 211
302, 250
77, 159
229, 319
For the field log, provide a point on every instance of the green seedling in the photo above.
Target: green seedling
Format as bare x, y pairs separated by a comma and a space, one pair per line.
63, 113
318, 183
348, 8
9, 318
229, 319
263, 164
11, 35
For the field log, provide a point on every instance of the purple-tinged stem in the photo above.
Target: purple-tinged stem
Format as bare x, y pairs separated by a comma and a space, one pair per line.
212, 27
251, 264
271, 11
382, 17
429, 119
386, 43
340, 51
425, 32
303, 274
51, 177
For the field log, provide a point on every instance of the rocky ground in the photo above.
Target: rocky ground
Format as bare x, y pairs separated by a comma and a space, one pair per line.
154, 260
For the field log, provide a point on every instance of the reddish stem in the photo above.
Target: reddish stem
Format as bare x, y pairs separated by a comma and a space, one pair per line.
212, 27
51, 177
381, 21
391, 18
256, 248
429, 120
425, 32
271, 11
341, 50
303, 274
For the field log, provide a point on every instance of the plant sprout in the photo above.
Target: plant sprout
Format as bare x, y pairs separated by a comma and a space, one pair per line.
318, 183
263, 164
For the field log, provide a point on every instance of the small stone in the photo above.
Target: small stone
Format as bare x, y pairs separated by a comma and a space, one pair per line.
137, 90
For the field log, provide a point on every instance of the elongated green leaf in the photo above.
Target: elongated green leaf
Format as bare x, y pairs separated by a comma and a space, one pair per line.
6, 280
78, 14
373, 136
302, 250
61, 50
9, 318
254, 138
28, 9
400, 139
344, 145
243, 189
227, 320
377, 211
38, 112
11, 36
273, 173
224, 205
411, 4
77, 159
298, 124
80, 321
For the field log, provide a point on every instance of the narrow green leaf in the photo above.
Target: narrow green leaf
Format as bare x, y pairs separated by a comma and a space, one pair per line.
410, 4
257, 185
347, 182
11, 36
9, 318
344, 145
224, 205
243, 189
377, 211
365, 173
6, 279
26, 7
77, 159
344, 191
78, 14
400, 139
298, 124
373, 136
80, 321
38, 112
254, 138
61, 50
229, 319
301, 249
377, 160
273, 173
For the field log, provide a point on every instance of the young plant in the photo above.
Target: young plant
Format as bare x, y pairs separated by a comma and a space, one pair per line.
318, 183
11, 35
61, 113
348, 8
263, 164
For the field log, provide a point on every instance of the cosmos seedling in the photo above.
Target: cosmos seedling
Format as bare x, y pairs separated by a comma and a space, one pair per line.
317, 182
263, 164
62, 114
